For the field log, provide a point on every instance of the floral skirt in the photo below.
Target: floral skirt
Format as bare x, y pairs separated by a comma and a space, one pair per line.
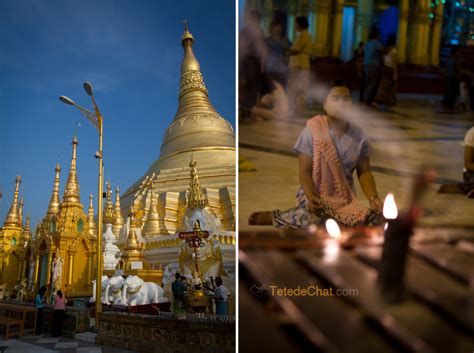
301, 217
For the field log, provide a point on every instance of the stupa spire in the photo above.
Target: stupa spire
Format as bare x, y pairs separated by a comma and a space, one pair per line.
196, 198
13, 219
118, 224
72, 189
20, 212
53, 207
26, 233
191, 76
152, 223
109, 208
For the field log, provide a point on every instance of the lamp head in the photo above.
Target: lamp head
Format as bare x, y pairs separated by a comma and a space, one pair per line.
88, 88
66, 100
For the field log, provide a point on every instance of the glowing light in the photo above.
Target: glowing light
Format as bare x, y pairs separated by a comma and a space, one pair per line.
458, 4
333, 229
312, 228
330, 251
390, 210
385, 226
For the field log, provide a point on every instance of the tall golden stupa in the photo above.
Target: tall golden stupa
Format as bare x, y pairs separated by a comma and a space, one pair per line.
197, 131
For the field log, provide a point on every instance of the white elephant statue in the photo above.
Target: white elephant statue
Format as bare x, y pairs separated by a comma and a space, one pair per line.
105, 281
137, 292
113, 291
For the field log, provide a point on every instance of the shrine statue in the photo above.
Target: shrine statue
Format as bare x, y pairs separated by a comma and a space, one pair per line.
113, 291
57, 268
21, 290
137, 292
105, 281
209, 259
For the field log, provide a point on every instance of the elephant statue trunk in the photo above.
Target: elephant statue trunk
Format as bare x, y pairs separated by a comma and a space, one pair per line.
124, 294
106, 295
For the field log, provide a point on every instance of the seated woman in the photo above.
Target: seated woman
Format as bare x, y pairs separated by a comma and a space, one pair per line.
274, 102
329, 149
469, 163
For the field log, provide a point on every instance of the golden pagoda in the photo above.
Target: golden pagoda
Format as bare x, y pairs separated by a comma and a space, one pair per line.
197, 130
64, 246
12, 250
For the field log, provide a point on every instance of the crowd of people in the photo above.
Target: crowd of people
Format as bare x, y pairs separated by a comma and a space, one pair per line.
59, 312
182, 287
377, 69
274, 74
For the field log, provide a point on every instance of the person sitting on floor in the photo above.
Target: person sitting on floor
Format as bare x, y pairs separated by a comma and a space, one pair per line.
329, 149
274, 102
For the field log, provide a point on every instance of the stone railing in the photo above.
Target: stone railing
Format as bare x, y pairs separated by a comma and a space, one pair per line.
164, 333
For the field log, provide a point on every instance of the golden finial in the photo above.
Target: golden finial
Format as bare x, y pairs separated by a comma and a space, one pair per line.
152, 223
190, 62
20, 212
12, 218
72, 189
196, 198
109, 208
131, 216
118, 224
90, 217
53, 207
187, 38
26, 232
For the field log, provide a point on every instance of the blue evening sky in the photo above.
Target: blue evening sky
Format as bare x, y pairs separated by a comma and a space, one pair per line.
131, 52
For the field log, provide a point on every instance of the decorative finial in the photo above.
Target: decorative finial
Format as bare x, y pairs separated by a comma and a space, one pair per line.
118, 224
72, 189
53, 207
187, 38
12, 218
152, 223
196, 198
109, 208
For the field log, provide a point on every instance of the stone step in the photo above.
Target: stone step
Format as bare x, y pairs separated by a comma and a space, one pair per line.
86, 336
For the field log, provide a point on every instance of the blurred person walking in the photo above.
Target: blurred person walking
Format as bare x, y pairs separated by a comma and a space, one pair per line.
298, 84
372, 64
387, 89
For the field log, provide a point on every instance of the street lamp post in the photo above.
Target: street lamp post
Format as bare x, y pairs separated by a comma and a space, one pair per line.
97, 121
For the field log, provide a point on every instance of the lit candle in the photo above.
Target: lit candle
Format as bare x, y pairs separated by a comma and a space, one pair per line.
331, 245
392, 264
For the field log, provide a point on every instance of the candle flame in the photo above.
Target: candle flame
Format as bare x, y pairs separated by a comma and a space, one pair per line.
390, 210
333, 229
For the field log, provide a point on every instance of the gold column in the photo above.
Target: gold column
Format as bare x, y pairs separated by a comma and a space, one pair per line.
321, 41
90, 256
48, 273
337, 28
35, 281
402, 30
70, 271
436, 34
421, 33
20, 269
365, 9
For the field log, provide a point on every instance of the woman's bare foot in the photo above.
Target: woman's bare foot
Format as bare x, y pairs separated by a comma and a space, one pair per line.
261, 219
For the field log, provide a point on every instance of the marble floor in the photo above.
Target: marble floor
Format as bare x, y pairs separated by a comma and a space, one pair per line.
412, 136
49, 344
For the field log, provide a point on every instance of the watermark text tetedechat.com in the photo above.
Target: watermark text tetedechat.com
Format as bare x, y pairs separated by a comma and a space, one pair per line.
311, 291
